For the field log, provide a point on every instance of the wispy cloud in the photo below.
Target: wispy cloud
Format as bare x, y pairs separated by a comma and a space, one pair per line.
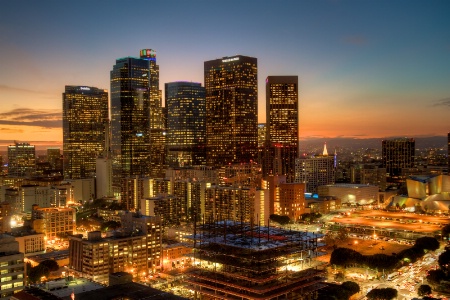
357, 40
442, 102
7, 88
47, 118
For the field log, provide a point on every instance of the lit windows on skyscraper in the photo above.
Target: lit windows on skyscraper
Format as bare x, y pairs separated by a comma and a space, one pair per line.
136, 116
186, 128
231, 109
85, 111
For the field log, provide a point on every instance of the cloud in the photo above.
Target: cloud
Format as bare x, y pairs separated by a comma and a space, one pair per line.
7, 88
442, 102
357, 40
47, 118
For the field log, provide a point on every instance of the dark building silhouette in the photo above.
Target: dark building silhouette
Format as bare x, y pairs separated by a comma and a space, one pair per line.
397, 154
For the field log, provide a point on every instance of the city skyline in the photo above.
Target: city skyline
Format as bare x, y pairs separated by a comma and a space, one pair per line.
366, 69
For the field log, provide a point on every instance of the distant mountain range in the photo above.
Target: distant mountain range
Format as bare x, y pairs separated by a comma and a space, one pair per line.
305, 144
374, 143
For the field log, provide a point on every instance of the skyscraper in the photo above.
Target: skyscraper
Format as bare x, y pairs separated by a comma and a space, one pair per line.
21, 159
136, 116
85, 110
186, 127
231, 109
281, 148
397, 154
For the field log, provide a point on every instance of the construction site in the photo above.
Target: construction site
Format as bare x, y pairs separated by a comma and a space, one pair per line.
234, 260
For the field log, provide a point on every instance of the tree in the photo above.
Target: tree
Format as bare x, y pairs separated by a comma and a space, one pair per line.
351, 287
428, 243
345, 256
446, 230
50, 264
435, 276
424, 290
382, 294
110, 225
444, 261
37, 272
282, 220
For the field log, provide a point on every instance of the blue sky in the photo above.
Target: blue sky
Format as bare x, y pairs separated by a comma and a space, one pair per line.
366, 68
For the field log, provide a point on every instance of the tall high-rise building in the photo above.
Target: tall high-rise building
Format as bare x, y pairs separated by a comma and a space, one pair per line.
186, 124
281, 147
85, 110
137, 142
21, 159
397, 154
231, 109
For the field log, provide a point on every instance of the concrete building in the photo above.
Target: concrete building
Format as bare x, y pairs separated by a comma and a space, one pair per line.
53, 222
30, 243
96, 257
12, 267
5, 217
351, 194
292, 200
316, 170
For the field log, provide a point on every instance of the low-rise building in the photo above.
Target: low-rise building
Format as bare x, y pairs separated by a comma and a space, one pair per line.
12, 267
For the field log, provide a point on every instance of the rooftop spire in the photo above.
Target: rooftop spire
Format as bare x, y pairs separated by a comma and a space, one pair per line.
325, 152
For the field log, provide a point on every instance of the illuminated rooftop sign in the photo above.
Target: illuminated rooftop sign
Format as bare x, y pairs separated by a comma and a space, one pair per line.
148, 53
230, 59
85, 88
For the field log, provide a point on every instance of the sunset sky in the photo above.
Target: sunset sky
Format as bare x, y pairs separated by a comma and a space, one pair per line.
366, 68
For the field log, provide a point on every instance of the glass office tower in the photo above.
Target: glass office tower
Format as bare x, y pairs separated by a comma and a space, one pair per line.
231, 110
85, 111
186, 123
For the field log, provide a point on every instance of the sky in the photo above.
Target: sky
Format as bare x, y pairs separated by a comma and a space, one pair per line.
366, 68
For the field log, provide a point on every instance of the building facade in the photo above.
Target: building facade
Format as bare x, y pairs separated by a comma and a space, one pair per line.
282, 126
137, 142
12, 267
85, 111
231, 109
397, 154
21, 159
186, 124
53, 222
315, 171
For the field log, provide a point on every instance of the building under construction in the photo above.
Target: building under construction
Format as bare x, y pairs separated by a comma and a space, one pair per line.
242, 261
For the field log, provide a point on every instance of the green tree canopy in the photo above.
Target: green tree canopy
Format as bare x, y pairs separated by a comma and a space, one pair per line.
282, 220
435, 276
351, 287
444, 261
345, 256
110, 225
50, 264
428, 243
382, 294
424, 290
